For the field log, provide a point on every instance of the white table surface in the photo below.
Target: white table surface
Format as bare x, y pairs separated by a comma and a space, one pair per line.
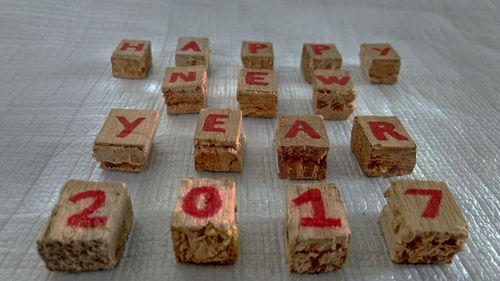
56, 89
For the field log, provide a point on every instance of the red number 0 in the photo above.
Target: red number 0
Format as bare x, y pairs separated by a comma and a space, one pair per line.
213, 202
82, 219
318, 219
432, 208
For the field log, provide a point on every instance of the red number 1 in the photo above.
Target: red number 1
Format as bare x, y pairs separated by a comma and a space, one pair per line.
82, 219
432, 208
318, 219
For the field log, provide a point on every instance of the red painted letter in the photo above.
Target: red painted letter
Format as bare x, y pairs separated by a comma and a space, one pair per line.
318, 49
318, 219
129, 127
82, 219
383, 52
191, 45
432, 208
211, 121
380, 128
126, 45
187, 78
334, 79
300, 125
212, 204
253, 47
252, 77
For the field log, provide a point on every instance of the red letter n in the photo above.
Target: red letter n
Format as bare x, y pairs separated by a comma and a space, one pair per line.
252, 78
300, 125
127, 45
253, 47
129, 127
380, 128
318, 49
191, 45
187, 78
211, 121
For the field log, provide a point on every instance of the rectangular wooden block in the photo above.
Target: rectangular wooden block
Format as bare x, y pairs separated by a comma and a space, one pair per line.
257, 55
192, 51
131, 59
203, 222
317, 234
219, 144
380, 63
319, 56
333, 94
422, 223
382, 146
88, 227
257, 92
302, 145
184, 89
125, 139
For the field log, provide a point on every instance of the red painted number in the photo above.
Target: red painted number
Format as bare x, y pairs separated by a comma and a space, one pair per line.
82, 219
432, 208
383, 52
129, 127
212, 204
318, 219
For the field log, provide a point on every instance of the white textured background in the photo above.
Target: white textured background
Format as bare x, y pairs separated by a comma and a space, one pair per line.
56, 89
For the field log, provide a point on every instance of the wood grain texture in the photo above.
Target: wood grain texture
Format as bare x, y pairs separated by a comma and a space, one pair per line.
412, 235
333, 100
310, 249
262, 56
184, 89
193, 51
257, 92
380, 62
127, 61
319, 56
212, 238
71, 248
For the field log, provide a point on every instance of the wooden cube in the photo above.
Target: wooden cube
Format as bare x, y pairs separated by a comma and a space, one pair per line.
87, 228
382, 146
203, 223
131, 59
302, 145
319, 56
333, 94
380, 63
192, 51
422, 222
125, 139
184, 89
219, 144
317, 235
258, 92
257, 55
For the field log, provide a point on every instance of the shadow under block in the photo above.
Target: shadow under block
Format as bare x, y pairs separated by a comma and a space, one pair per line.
422, 223
203, 223
125, 139
192, 51
302, 146
184, 89
317, 235
131, 59
380, 63
382, 146
257, 55
88, 227
319, 56
257, 92
219, 144
333, 94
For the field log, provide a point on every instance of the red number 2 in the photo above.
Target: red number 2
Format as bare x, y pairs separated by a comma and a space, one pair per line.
432, 208
82, 219
318, 219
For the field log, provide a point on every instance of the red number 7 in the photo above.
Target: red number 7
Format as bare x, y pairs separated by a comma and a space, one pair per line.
82, 219
318, 219
432, 208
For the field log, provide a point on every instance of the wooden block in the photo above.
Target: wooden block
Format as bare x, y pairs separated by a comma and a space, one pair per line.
333, 94
302, 145
257, 55
131, 59
125, 139
380, 63
219, 144
382, 146
422, 222
192, 51
87, 228
258, 92
184, 89
203, 223
317, 235
319, 56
